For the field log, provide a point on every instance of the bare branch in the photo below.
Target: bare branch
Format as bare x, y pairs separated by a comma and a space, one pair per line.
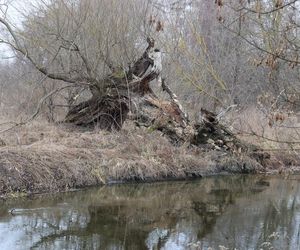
56, 76
41, 102
269, 11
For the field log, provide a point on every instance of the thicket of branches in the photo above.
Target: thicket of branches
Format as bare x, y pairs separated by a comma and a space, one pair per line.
215, 53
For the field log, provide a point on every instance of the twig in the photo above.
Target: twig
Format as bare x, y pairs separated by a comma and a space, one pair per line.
266, 138
174, 98
223, 112
269, 11
260, 48
38, 108
56, 76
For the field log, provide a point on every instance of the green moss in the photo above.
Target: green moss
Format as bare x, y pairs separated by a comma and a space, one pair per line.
120, 73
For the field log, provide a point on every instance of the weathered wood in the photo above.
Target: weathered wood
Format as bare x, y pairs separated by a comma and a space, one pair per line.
107, 112
111, 96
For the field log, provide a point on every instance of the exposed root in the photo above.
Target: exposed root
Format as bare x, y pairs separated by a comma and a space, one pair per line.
108, 113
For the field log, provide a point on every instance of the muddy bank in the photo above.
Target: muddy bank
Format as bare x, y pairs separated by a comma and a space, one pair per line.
43, 158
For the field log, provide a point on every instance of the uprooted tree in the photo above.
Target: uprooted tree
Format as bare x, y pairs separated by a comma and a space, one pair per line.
126, 93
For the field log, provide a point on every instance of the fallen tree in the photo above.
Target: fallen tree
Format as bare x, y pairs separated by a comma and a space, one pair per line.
127, 94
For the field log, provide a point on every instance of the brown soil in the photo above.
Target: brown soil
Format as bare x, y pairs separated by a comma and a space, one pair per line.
49, 158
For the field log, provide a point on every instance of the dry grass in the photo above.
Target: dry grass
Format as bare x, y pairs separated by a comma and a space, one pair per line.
41, 157
282, 139
253, 122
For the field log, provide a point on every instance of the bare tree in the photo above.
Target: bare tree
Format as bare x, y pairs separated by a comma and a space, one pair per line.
106, 53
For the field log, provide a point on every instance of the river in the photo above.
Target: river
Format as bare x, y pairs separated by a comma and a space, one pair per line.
226, 212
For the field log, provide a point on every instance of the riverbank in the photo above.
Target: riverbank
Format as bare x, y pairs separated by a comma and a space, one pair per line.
40, 158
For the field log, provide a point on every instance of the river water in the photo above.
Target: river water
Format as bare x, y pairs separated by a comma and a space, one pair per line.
228, 212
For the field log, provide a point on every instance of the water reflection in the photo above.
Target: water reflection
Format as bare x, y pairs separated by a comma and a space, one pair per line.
242, 212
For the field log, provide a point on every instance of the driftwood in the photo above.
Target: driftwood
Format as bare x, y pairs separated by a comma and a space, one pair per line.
126, 94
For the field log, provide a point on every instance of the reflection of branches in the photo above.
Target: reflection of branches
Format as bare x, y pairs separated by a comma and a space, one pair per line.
52, 237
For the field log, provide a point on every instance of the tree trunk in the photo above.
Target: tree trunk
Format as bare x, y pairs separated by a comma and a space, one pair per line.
112, 96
